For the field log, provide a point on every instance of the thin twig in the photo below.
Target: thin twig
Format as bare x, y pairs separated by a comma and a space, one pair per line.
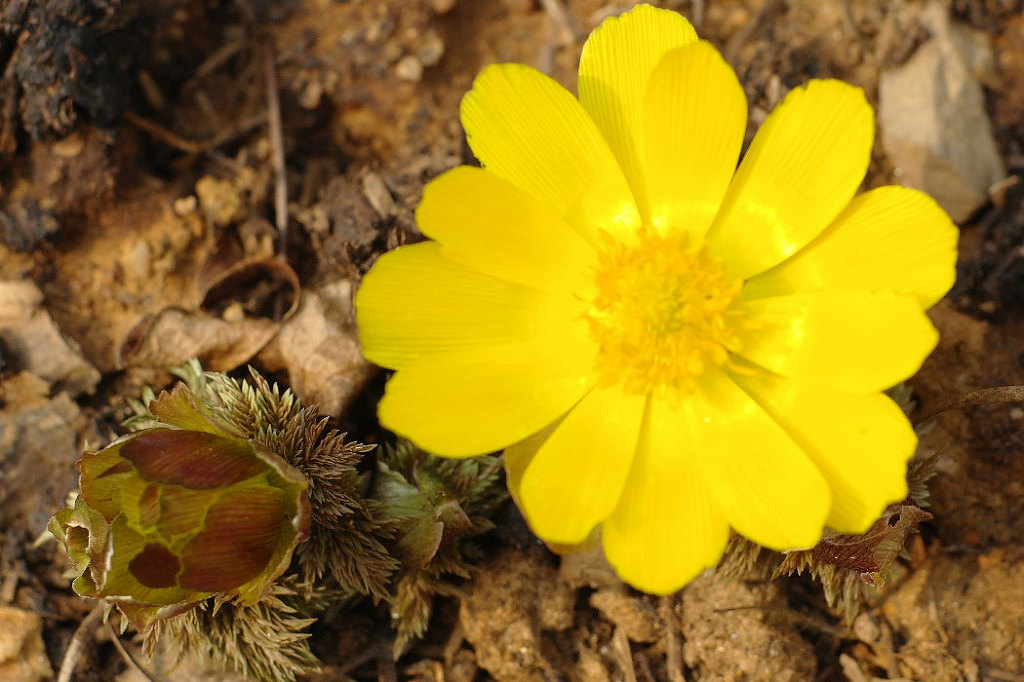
77, 644
983, 396
277, 146
644, 667
569, 32
787, 615
213, 62
698, 15
739, 39
1001, 675
673, 661
386, 669
164, 135
623, 652
454, 643
172, 139
129, 658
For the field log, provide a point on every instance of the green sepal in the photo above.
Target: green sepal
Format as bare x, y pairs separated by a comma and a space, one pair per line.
168, 517
180, 408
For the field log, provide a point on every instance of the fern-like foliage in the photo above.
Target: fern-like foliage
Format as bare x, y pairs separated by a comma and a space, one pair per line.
348, 531
267, 641
410, 538
440, 505
344, 557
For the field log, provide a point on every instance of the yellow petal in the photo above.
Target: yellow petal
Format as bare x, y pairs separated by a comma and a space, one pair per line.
615, 65
415, 302
764, 483
667, 528
576, 478
531, 131
478, 400
695, 115
517, 458
891, 239
855, 340
859, 442
487, 223
802, 168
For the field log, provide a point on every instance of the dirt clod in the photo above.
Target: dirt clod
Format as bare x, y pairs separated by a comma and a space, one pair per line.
22, 657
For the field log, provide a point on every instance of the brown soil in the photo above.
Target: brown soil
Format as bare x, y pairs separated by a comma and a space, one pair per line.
135, 159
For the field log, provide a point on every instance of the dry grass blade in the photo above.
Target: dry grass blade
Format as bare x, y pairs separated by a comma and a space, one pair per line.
78, 642
277, 145
983, 396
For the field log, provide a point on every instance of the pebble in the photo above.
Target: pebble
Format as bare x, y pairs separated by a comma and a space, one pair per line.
184, 206
934, 124
431, 49
22, 656
443, 6
378, 195
409, 69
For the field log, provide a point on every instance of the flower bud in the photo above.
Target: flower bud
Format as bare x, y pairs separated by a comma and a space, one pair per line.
168, 517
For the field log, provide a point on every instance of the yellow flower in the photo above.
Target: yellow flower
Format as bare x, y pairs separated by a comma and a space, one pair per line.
672, 346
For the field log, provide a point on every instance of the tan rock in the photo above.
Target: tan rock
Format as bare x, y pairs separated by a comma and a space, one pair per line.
934, 125
22, 657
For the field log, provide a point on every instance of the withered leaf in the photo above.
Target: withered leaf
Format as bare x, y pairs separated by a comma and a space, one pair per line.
872, 553
173, 336
319, 349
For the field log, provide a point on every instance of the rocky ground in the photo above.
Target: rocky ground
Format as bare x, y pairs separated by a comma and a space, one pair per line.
139, 148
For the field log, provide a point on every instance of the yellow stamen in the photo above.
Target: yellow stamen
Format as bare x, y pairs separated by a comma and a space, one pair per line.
661, 313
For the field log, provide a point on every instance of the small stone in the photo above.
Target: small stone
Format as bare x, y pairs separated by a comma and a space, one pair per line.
431, 49
934, 124
139, 260
184, 206
409, 69
378, 195
70, 146
635, 615
443, 6
22, 656
221, 200
311, 94
866, 629
591, 667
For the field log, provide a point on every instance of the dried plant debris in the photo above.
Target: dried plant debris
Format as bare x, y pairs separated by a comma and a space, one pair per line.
24, 224
439, 505
319, 349
69, 59
849, 567
34, 342
349, 530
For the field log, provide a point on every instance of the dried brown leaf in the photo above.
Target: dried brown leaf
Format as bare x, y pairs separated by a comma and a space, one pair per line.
319, 349
36, 344
173, 336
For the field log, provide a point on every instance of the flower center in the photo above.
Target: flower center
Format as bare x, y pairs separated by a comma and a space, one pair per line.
661, 313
